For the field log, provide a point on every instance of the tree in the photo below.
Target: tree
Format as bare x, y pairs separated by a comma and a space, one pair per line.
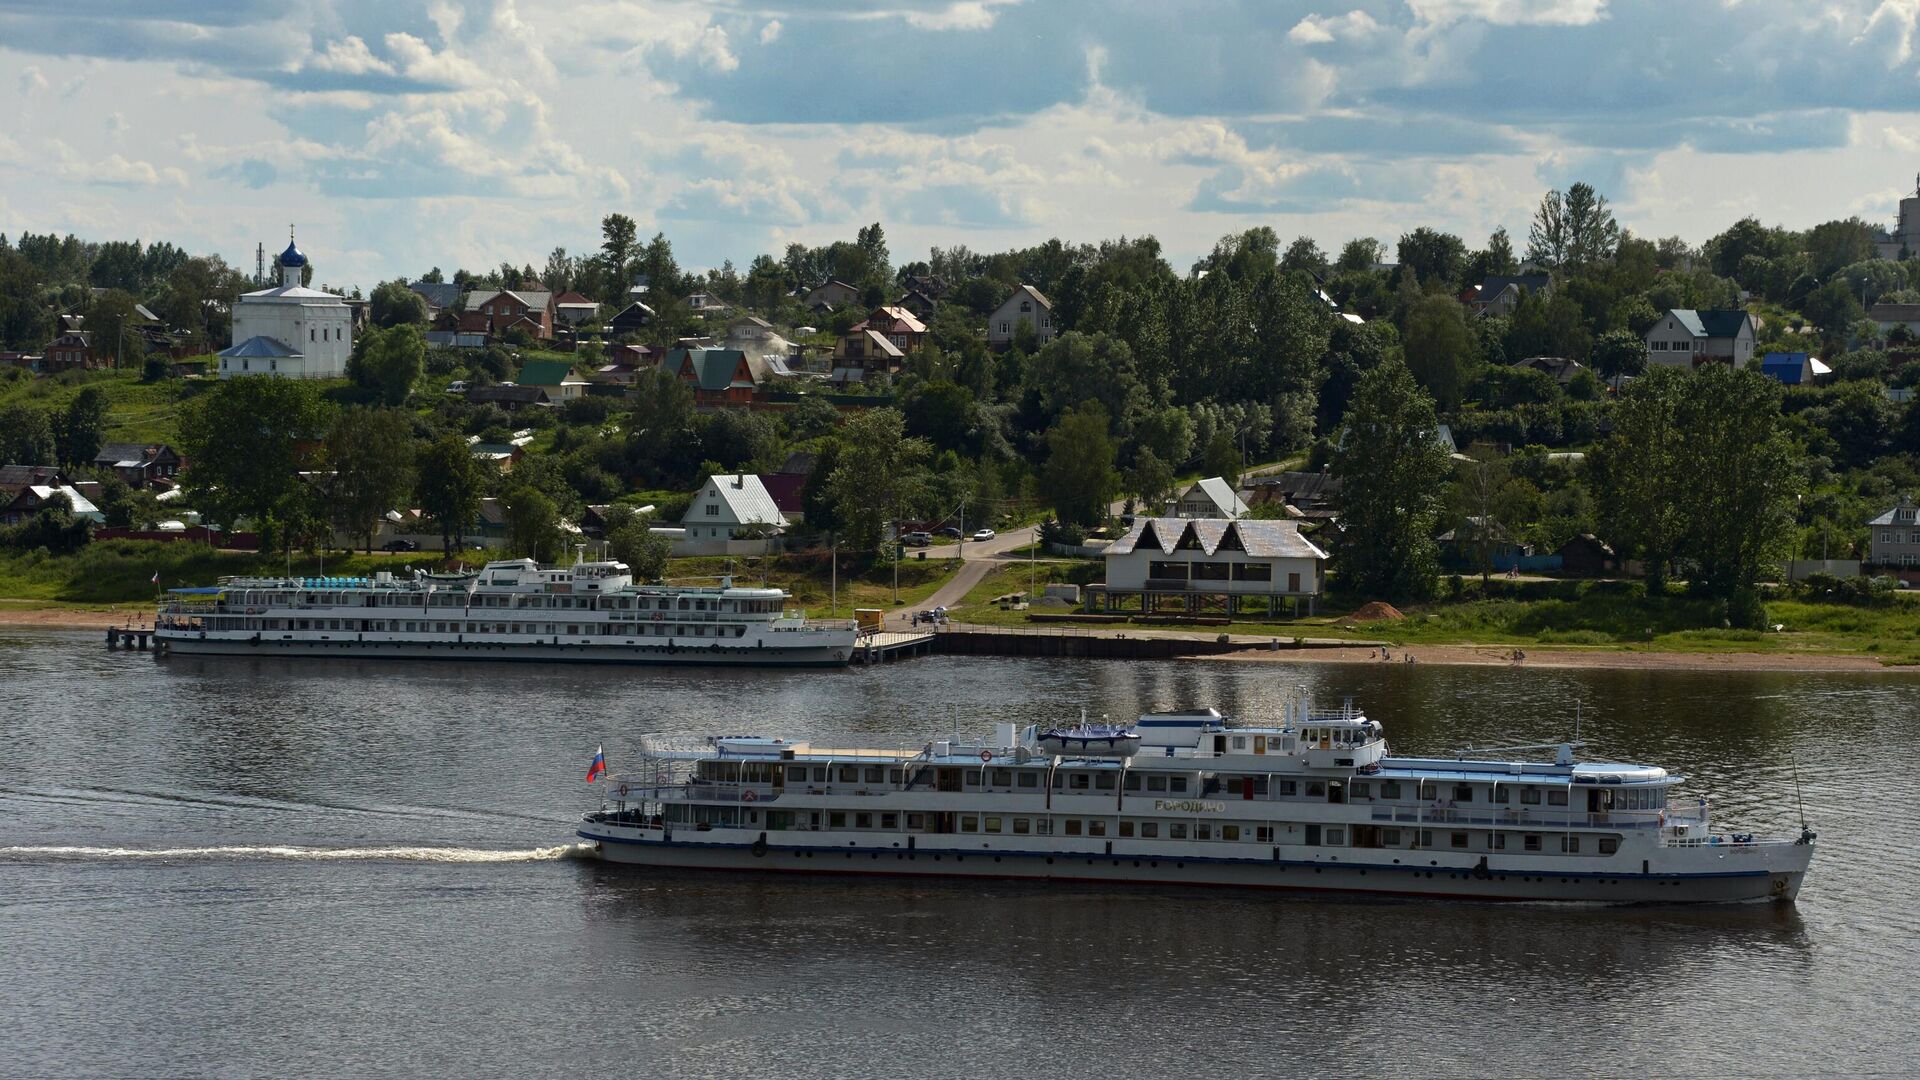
1836, 244
1871, 279
26, 436
1739, 513
1482, 503
618, 238
631, 540
1638, 473
1304, 254
1440, 348
877, 477
1833, 308
390, 361
1079, 477
941, 413
1572, 231
369, 458
533, 524
449, 484
393, 304
1619, 354
1392, 470
662, 415
246, 442
111, 317
1434, 255
1151, 481
82, 427
1360, 254
1223, 459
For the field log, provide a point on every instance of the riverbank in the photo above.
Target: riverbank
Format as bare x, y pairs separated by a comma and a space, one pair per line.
36, 615
1598, 659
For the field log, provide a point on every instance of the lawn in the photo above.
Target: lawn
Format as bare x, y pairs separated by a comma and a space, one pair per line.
137, 411
122, 571
810, 579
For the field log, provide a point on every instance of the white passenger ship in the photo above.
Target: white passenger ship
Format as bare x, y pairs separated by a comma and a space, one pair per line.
1313, 803
508, 610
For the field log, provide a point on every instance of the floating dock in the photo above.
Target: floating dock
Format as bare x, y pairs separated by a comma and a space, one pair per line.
888, 645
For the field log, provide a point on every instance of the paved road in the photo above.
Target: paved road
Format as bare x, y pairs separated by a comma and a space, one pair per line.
977, 559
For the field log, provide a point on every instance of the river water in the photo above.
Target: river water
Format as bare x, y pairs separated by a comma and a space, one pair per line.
241, 868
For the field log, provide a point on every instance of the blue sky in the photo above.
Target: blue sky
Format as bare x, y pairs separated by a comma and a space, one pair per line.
404, 135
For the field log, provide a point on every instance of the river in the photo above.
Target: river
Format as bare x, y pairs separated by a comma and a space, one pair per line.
277, 867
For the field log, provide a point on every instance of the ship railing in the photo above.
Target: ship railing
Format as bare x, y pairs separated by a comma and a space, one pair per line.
1519, 818
1736, 841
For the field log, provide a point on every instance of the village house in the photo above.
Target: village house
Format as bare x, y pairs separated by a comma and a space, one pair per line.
510, 398
139, 465
719, 377
1192, 565
1685, 338
71, 351
1026, 305
920, 304
440, 296
701, 303
1561, 368
555, 377
731, 515
30, 499
1212, 497
1499, 294
497, 313
897, 325
631, 319
1586, 555
1303, 495
831, 295
1894, 541
863, 354
573, 309
1889, 316
16, 478
1793, 368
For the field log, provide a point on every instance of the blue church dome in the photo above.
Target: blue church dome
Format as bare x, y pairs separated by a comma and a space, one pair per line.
292, 256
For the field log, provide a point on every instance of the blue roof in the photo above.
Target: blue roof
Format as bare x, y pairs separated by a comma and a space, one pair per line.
292, 256
261, 347
200, 590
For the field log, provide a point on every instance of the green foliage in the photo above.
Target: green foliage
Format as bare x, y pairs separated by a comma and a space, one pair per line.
26, 436
389, 361
449, 486
1392, 471
1620, 354
1223, 459
1078, 478
246, 442
370, 468
1436, 257
878, 476
1572, 231
533, 525
631, 540
1440, 350
1150, 480
393, 304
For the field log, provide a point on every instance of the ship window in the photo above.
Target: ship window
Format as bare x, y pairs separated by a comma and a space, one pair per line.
1497, 841
1288, 787
1570, 845
969, 823
1426, 838
1149, 830
875, 775
1021, 826
1029, 778
1126, 829
1156, 783
1177, 830
1532, 842
893, 776
1202, 831
1462, 793
1609, 845
798, 773
1077, 781
848, 774
1229, 832
1096, 828
1133, 782
1362, 790
1316, 789
819, 774
1530, 796
1103, 781
1458, 839
1557, 797
993, 824
1236, 785
1390, 837
916, 821
1073, 826
973, 777
1263, 834
863, 821
1239, 742
1003, 778
837, 819
1335, 838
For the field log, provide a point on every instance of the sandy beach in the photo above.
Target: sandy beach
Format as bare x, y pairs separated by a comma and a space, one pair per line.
1502, 656
43, 618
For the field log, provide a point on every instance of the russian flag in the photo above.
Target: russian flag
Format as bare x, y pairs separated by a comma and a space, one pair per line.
599, 767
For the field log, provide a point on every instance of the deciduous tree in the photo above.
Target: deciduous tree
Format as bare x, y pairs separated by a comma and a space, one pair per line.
1392, 472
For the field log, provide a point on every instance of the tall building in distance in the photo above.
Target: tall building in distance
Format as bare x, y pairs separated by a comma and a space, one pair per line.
289, 330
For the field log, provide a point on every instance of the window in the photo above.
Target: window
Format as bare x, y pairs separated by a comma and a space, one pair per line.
1073, 827
1362, 790
973, 777
1462, 793
1156, 783
837, 819
1532, 842
1177, 784
890, 821
1043, 826
1557, 797
1229, 832
1458, 839
916, 821
1570, 845
713, 510
1003, 778
1126, 829
1029, 779
1426, 838
1530, 796
848, 774
1335, 838
875, 775
969, 823
993, 824
1096, 828
1609, 845
819, 774
1288, 787
1497, 841
1316, 789
1021, 826
863, 821
1077, 781
1149, 830
1177, 830
1390, 837
797, 773
1202, 831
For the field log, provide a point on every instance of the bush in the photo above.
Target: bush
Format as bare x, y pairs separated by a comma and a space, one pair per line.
1060, 532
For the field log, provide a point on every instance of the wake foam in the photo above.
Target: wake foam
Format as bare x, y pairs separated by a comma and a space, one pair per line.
364, 854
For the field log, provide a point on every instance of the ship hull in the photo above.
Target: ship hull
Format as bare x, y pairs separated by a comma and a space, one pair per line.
1776, 879
826, 655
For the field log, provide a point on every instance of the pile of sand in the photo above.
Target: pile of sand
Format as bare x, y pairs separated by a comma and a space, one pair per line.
1376, 611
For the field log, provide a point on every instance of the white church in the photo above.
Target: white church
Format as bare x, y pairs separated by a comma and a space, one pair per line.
290, 331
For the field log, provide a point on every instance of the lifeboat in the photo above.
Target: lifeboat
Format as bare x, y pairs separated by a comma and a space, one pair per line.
1090, 740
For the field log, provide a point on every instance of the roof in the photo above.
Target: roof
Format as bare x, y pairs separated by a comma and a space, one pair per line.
515, 395
1711, 322
292, 256
786, 490
261, 347
15, 477
440, 294
1495, 284
136, 453
896, 318
574, 299
292, 292
635, 309
1029, 291
1218, 492
1901, 514
881, 346
533, 299
1894, 313
1262, 539
745, 497
716, 369
43, 492
545, 373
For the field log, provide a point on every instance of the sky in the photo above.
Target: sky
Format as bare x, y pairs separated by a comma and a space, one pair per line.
399, 135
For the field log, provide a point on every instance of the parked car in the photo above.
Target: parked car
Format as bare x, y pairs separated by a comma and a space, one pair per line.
400, 545
457, 386
950, 532
916, 539
985, 534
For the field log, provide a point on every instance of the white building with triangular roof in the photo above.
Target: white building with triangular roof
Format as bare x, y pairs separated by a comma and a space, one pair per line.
289, 331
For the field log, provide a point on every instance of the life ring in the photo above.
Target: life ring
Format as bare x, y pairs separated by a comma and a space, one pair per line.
658, 616
623, 789
749, 796
986, 755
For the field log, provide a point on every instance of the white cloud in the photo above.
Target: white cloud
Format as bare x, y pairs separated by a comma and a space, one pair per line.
416, 60
112, 169
1892, 23
32, 79
770, 33
350, 56
1321, 29
961, 15
1509, 12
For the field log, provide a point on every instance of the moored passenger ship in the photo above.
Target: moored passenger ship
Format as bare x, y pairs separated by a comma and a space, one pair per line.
508, 610
1314, 803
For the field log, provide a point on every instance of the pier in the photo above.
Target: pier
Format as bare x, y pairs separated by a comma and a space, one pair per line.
128, 637
1075, 641
889, 645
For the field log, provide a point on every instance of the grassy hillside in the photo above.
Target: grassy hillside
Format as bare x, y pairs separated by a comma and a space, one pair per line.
137, 411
